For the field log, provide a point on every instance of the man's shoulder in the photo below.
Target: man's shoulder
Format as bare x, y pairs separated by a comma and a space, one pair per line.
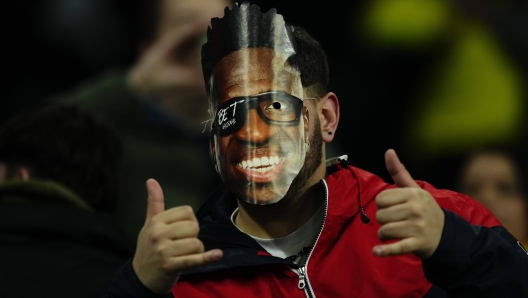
371, 184
107, 95
466, 207
102, 92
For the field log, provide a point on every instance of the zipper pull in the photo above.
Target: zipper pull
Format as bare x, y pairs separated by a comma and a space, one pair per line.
302, 282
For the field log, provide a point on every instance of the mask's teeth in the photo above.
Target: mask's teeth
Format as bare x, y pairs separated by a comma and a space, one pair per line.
256, 163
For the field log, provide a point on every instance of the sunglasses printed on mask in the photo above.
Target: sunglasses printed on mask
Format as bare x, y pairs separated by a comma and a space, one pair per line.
275, 108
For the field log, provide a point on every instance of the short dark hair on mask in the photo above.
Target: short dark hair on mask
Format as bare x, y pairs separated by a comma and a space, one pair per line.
312, 62
245, 26
65, 144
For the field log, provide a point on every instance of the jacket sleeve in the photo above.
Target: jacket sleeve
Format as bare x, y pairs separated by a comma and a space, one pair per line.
127, 285
478, 261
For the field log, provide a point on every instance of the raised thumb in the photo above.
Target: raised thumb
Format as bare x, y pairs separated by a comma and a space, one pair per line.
399, 174
155, 200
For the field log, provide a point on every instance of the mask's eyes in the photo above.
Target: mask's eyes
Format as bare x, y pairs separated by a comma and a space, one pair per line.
280, 110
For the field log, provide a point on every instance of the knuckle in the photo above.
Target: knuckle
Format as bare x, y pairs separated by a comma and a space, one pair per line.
381, 216
417, 209
160, 252
421, 243
414, 209
421, 225
381, 234
409, 245
155, 236
196, 245
187, 211
379, 197
194, 227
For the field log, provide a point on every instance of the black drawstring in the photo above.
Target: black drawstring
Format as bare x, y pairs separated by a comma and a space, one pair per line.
364, 218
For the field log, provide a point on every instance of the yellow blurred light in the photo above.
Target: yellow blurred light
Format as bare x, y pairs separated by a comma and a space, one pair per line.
405, 22
476, 99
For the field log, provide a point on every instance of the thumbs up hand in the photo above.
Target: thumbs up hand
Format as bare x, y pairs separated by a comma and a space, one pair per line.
408, 213
168, 243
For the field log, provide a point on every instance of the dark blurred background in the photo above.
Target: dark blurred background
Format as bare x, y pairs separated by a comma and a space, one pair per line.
52, 45
432, 79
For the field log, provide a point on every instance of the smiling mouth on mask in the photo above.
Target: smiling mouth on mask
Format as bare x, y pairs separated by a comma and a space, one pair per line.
262, 164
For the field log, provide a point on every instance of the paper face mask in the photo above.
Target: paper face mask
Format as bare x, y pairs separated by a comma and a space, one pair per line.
258, 132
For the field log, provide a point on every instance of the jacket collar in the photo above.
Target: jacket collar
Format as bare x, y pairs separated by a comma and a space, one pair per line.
218, 231
239, 249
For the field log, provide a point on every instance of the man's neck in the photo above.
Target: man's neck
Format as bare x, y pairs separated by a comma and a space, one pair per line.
282, 218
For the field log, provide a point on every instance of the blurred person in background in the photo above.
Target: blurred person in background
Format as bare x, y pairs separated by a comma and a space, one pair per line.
494, 177
59, 170
158, 106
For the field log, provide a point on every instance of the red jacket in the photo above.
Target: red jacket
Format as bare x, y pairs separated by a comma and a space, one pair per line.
475, 255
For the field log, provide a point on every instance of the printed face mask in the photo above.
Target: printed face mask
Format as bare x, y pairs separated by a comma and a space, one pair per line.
259, 128
258, 137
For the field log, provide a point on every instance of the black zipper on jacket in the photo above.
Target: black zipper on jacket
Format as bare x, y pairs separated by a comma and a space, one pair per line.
304, 282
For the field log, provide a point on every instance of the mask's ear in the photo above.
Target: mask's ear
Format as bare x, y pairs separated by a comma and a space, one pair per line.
212, 150
306, 119
329, 109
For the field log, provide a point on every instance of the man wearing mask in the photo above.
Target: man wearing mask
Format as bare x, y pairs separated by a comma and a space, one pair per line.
289, 223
